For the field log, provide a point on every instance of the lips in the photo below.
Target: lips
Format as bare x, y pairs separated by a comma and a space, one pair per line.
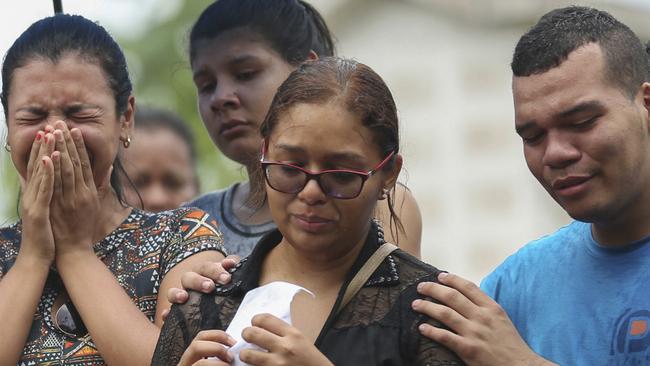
570, 185
231, 126
312, 223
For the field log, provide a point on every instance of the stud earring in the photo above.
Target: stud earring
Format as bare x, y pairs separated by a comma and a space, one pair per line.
7, 147
384, 194
126, 143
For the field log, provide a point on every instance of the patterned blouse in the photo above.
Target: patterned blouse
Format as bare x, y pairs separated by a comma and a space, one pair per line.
377, 327
139, 252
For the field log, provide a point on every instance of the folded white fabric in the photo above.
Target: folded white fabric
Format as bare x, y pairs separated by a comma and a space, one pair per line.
273, 298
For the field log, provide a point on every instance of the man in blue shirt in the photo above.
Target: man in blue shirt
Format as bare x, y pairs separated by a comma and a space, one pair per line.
580, 296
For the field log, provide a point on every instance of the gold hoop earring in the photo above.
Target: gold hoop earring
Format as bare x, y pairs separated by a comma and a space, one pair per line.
8, 147
126, 143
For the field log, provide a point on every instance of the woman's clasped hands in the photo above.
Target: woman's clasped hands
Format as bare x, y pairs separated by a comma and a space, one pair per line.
61, 202
282, 344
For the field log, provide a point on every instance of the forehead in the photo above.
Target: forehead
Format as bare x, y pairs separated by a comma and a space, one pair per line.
580, 78
323, 128
70, 79
231, 45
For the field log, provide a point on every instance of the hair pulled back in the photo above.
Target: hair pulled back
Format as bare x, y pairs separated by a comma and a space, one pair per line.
361, 90
293, 28
53, 38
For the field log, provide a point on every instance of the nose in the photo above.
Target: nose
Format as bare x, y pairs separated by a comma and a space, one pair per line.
312, 193
156, 199
560, 151
224, 97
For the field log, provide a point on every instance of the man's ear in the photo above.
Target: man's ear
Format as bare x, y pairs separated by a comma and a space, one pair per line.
645, 93
127, 119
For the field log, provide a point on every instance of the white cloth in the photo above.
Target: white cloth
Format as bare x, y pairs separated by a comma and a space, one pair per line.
273, 298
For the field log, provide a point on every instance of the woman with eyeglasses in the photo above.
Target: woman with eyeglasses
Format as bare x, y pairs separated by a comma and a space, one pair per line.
82, 274
331, 150
240, 53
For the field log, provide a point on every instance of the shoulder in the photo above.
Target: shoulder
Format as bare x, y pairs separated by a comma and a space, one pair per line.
209, 200
412, 270
538, 257
549, 246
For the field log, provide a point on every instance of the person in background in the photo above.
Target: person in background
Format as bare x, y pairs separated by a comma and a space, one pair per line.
240, 52
322, 194
161, 162
83, 276
580, 295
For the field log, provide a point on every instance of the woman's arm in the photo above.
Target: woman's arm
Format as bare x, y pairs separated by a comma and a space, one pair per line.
409, 213
22, 285
122, 333
20, 291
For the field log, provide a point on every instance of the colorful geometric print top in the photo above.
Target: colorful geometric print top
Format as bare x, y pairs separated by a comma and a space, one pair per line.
139, 252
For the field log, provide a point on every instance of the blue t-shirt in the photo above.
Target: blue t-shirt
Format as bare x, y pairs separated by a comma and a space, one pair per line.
575, 302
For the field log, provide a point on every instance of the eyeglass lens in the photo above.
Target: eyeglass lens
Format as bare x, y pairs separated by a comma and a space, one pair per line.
69, 321
288, 179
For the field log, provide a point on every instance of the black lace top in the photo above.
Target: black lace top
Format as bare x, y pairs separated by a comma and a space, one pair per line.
378, 327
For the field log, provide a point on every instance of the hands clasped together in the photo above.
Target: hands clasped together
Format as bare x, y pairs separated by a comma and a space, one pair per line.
284, 345
60, 202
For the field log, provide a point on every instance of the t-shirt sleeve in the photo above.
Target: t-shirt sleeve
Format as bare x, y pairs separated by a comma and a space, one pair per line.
491, 283
196, 231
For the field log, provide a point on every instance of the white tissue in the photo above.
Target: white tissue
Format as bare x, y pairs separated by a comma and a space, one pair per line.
273, 298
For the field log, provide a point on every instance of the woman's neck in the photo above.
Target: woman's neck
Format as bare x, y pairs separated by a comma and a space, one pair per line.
112, 214
248, 212
316, 271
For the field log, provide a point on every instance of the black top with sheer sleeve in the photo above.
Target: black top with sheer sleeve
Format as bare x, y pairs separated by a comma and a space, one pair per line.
378, 327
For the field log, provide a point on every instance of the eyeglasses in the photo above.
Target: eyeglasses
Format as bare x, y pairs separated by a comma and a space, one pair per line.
336, 183
68, 320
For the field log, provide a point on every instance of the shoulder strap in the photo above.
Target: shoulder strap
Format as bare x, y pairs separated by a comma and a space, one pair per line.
365, 272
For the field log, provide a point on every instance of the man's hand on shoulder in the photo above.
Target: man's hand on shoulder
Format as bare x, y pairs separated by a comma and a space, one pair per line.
481, 332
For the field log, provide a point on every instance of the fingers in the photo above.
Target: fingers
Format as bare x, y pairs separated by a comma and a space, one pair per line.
84, 160
208, 343
444, 337
46, 187
467, 288
255, 357
441, 313
33, 154
196, 282
266, 331
175, 296
230, 262
453, 297
72, 153
57, 185
218, 271
66, 168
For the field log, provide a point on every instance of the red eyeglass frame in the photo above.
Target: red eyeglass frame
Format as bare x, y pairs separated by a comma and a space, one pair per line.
316, 175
